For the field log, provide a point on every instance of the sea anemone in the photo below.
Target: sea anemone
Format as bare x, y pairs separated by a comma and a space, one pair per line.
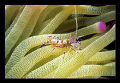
27, 27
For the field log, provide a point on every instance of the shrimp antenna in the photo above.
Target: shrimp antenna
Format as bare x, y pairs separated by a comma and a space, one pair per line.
76, 19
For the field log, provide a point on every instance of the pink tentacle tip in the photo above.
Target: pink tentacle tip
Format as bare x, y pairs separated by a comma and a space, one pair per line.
102, 27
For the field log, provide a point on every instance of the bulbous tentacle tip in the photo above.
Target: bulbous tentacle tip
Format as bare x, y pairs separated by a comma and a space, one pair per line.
102, 27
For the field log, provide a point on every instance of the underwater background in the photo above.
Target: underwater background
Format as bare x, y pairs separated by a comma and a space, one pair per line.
29, 55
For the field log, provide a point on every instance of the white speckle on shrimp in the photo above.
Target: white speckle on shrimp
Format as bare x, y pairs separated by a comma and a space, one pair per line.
54, 41
65, 41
